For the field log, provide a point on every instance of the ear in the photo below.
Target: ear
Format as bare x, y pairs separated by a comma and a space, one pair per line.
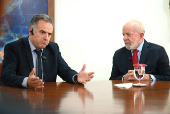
141, 35
30, 29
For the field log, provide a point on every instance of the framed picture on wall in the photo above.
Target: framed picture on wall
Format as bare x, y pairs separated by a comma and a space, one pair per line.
15, 16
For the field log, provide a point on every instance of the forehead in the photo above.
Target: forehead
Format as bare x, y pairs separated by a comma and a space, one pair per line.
45, 26
128, 27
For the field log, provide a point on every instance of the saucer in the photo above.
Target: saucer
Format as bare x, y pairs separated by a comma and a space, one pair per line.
139, 85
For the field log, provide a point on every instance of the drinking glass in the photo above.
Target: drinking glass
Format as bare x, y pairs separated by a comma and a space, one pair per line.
139, 73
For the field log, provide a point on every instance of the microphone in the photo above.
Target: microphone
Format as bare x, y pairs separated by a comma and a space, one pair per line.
130, 58
44, 57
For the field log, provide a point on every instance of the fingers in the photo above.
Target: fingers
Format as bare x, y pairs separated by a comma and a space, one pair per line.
83, 76
84, 82
36, 83
39, 84
90, 73
84, 67
130, 71
39, 87
89, 77
32, 72
146, 77
130, 75
33, 81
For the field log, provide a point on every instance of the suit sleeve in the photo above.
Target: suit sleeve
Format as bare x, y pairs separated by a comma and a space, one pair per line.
115, 74
8, 75
64, 71
163, 68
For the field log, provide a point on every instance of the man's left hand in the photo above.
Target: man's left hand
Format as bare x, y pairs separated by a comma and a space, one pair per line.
84, 76
146, 77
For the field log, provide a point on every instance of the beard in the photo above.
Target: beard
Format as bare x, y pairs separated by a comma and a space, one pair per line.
131, 46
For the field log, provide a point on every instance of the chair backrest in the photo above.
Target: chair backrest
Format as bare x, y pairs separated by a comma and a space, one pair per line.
0, 72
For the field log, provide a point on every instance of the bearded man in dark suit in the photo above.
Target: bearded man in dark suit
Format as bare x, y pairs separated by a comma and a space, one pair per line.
153, 55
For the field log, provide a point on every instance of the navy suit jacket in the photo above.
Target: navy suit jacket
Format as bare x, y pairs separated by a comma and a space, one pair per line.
154, 56
18, 63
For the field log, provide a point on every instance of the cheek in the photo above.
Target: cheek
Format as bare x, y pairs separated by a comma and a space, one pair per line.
132, 40
49, 38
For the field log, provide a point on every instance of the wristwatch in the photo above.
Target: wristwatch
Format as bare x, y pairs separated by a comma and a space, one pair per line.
75, 79
150, 78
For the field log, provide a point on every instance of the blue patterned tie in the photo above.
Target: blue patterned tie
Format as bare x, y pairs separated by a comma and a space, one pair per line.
38, 63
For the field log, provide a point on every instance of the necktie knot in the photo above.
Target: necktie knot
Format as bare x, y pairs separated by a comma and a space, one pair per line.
38, 52
135, 51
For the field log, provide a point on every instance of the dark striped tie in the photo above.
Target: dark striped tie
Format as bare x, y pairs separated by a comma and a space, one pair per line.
38, 64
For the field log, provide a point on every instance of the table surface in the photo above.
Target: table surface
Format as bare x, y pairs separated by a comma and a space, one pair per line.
95, 97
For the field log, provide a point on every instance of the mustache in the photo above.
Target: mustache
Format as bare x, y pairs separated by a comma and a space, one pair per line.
127, 42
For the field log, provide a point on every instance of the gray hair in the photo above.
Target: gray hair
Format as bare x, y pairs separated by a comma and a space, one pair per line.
38, 17
138, 26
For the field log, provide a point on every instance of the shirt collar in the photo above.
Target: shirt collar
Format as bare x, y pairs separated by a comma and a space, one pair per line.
32, 46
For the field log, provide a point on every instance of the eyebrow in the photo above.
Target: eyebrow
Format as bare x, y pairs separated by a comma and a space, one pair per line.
45, 32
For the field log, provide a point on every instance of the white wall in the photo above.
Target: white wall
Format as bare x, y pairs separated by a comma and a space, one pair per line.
90, 31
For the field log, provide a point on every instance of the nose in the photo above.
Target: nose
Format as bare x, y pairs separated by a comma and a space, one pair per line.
46, 36
125, 37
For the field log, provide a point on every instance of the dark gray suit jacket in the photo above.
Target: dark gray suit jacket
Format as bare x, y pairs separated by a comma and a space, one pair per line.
18, 63
154, 56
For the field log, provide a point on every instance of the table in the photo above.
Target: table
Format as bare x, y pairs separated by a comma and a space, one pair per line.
96, 97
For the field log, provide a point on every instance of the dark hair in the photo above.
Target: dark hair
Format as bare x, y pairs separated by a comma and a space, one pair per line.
38, 17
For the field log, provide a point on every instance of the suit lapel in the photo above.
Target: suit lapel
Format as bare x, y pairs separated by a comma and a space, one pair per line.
144, 52
129, 59
28, 52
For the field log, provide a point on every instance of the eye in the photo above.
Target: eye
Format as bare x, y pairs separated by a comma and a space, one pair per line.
49, 34
42, 32
129, 34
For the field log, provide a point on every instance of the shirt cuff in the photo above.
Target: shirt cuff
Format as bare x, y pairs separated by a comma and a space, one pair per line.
152, 77
123, 77
24, 83
73, 78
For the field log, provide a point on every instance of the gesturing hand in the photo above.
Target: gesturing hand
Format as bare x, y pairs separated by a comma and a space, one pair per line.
33, 81
84, 76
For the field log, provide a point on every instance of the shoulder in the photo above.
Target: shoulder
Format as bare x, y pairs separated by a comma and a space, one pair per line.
120, 51
153, 46
52, 45
155, 49
17, 43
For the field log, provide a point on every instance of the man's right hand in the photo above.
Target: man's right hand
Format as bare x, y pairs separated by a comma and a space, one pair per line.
130, 75
33, 81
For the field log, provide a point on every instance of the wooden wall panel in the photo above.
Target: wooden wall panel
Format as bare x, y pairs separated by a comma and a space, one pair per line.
51, 14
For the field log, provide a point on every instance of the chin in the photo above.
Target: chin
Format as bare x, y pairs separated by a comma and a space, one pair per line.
128, 48
42, 47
